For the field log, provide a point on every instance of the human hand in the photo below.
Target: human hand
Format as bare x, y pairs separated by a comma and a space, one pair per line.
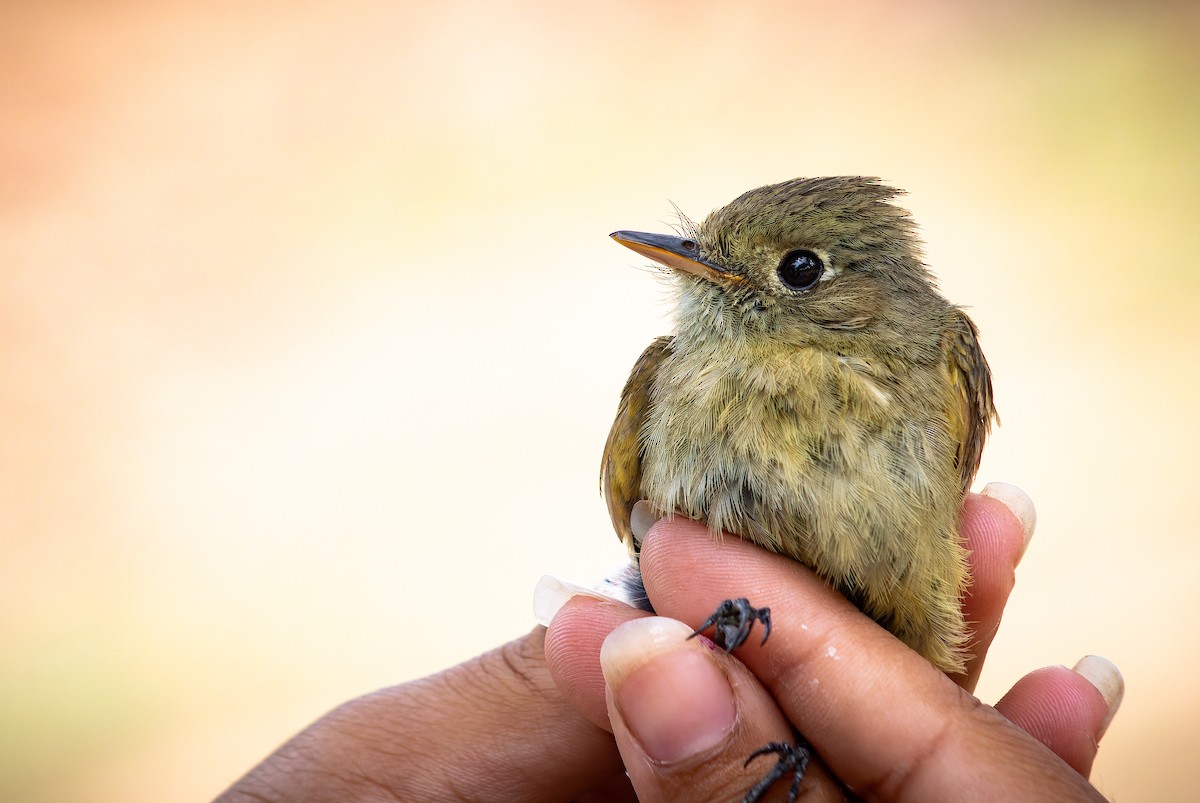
497, 727
492, 728
886, 724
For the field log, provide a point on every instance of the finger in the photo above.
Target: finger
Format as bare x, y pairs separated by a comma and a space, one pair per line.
573, 642
686, 716
996, 527
494, 727
1068, 710
573, 645
886, 722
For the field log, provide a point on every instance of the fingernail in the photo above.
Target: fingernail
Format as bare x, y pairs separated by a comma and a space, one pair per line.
551, 593
1019, 503
1104, 675
641, 519
668, 691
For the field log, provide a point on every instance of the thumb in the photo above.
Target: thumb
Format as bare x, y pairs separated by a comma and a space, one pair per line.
686, 716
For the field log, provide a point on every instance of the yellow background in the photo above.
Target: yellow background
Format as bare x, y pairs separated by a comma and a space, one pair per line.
311, 332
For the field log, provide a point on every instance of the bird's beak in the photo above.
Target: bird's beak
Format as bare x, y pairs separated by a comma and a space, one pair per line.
676, 253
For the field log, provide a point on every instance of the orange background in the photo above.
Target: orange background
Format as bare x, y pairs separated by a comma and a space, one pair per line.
311, 332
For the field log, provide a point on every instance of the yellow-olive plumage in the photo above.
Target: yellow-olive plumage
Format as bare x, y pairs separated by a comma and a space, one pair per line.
819, 398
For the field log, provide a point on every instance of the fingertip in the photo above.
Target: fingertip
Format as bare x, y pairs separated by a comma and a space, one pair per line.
572, 648
1018, 503
994, 535
668, 691
1062, 709
1107, 679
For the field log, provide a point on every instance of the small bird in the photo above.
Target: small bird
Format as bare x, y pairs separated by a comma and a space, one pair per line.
819, 398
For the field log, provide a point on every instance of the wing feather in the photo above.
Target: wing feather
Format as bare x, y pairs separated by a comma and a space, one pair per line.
621, 466
971, 411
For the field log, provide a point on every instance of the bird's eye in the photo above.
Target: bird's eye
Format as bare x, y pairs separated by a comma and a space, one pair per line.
800, 269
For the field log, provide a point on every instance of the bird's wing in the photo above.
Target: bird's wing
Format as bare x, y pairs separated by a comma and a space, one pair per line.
621, 466
971, 411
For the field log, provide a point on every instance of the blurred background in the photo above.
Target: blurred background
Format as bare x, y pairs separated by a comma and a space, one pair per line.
311, 332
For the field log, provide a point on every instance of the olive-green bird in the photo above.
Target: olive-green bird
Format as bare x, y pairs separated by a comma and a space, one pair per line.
819, 398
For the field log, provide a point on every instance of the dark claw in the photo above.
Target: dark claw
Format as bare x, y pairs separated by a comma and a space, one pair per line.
731, 623
793, 758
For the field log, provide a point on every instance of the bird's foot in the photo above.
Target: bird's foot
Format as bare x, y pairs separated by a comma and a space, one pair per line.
793, 758
731, 623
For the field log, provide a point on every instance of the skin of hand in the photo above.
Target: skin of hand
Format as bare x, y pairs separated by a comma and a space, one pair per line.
528, 721
887, 724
